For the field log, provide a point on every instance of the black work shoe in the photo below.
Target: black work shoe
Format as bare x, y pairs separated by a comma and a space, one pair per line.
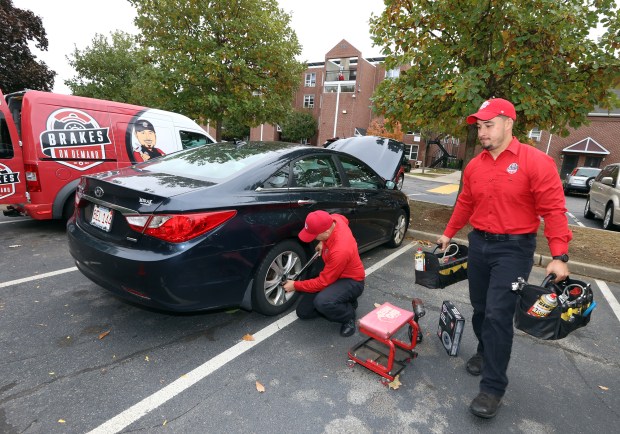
348, 328
485, 405
474, 365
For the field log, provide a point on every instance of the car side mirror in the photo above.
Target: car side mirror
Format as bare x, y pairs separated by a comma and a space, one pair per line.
390, 185
607, 180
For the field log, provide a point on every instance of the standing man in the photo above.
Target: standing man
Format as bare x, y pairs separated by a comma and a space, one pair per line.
505, 190
145, 134
333, 294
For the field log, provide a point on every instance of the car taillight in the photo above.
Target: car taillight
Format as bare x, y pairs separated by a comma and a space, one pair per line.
79, 192
573, 172
177, 228
33, 182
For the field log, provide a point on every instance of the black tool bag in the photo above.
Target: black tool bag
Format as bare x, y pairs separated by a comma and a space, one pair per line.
443, 268
575, 303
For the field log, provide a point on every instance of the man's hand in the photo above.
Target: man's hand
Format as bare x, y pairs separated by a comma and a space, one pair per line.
289, 286
559, 268
444, 242
319, 247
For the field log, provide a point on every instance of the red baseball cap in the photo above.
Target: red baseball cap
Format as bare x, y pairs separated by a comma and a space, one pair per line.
317, 222
492, 108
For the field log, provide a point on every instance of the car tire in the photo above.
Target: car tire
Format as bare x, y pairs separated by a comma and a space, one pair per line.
268, 295
68, 208
400, 182
589, 182
400, 230
566, 191
586, 210
608, 218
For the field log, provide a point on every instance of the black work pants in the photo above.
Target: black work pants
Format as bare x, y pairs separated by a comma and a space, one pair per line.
492, 267
336, 302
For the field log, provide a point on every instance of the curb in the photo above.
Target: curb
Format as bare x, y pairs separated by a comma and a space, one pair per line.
589, 270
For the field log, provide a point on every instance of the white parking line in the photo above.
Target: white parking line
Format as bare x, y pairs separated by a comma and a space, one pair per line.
576, 220
150, 403
15, 221
613, 303
37, 277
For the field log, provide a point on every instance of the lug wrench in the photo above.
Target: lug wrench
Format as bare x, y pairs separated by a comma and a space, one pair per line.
296, 275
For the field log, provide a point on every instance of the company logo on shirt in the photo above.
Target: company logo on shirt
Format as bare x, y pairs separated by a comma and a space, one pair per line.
74, 138
512, 169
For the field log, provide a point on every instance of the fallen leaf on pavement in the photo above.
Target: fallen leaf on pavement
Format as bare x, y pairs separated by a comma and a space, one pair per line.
146, 358
260, 387
61, 421
104, 334
248, 337
603, 388
377, 305
395, 384
14, 246
165, 422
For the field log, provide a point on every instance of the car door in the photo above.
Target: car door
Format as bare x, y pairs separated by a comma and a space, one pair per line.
316, 183
12, 177
598, 191
374, 215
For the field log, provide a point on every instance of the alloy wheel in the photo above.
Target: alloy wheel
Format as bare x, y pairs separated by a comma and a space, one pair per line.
287, 264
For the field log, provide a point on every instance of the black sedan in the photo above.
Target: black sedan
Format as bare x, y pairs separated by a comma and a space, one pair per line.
216, 226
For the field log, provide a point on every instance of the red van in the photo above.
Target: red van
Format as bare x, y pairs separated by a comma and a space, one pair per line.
47, 141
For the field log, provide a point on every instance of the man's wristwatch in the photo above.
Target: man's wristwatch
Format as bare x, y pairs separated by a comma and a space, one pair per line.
563, 258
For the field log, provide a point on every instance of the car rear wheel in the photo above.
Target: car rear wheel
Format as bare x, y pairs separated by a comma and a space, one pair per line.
586, 210
608, 220
268, 295
589, 183
400, 229
400, 182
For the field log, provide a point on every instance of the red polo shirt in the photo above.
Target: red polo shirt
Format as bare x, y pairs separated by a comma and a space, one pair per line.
342, 261
507, 196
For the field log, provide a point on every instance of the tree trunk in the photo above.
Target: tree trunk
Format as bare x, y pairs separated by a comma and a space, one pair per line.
218, 130
470, 147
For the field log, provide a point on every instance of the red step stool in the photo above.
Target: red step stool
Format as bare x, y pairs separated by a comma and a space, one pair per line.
381, 325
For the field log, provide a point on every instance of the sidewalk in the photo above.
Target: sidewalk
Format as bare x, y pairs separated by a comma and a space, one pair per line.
451, 178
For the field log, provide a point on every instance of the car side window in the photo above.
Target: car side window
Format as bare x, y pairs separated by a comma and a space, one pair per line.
278, 179
315, 172
191, 139
360, 175
6, 149
605, 172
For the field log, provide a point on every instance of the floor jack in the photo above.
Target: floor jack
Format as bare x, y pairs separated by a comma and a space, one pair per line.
382, 352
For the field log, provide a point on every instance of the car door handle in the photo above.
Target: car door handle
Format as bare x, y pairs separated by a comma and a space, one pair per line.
302, 202
361, 202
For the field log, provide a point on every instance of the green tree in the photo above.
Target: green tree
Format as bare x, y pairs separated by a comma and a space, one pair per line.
223, 60
535, 53
234, 130
298, 125
117, 70
19, 69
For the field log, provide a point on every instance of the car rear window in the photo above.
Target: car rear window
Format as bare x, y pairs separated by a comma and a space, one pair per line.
212, 162
587, 171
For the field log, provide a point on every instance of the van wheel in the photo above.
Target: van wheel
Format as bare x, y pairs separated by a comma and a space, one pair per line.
400, 229
608, 220
67, 210
268, 295
586, 210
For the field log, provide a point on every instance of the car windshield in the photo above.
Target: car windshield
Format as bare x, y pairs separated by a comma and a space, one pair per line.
213, 162
587, 171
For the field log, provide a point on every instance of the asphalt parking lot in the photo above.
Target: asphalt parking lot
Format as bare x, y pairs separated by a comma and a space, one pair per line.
75, 359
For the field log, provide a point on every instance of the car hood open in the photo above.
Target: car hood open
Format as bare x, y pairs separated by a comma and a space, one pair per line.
383, 155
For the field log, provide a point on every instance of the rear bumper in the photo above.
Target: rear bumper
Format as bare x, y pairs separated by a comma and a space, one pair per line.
180, 279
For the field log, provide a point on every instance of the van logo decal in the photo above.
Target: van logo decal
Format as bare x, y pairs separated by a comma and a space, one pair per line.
75, 139
145, 201
98, 191
8, 179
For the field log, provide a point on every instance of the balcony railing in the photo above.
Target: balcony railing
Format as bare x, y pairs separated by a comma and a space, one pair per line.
343, 75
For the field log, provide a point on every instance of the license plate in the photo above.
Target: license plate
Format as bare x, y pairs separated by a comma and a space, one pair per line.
102, 217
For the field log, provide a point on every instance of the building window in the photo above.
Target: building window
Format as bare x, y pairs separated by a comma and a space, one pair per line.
535, 134
411, 152
392, 73
308, 101
311, 79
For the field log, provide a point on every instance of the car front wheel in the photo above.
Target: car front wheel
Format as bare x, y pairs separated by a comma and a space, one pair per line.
284, 260
586, 210
400, 229
608, 220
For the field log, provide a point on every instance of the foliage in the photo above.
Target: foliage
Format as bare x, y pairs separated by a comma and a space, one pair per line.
233, 59
234, 130
19, 69
535, 53
116, 71
298, 125
385, 129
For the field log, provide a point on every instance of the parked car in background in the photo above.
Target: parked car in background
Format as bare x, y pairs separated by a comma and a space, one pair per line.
388, 163
216, 226
604, 197
580, 179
